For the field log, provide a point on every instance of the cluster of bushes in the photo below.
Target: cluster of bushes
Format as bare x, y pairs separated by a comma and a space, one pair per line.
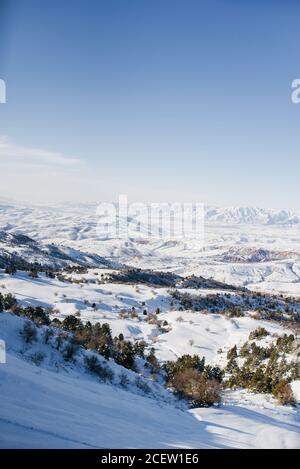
152, 318
263, 369
37, 314
7, 301
147, 277
10, 269
265, 306
234, 312
99, 338
191, 379
65, 343
258, 333
93, 364
193, 281
90, 336
285, 343
259, 369
77, 269
33, 268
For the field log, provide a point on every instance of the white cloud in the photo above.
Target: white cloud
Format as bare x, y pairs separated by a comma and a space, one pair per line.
13, 154
36, 175
39, 175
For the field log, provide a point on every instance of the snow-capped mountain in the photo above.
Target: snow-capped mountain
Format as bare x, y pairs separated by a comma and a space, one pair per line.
251, 215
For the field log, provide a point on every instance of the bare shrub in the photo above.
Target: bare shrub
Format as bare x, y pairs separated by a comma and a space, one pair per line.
195, 386
258, 333
38, 358
123, 380
152, 319
142, 385
29, 332
48, 333
69, 351
123, 314
102, 371
59, 340
257, 315
133, 314
283, 393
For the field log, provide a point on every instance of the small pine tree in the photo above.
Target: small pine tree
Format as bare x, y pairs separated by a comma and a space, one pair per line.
232, 353
10, 269
71, 323
152, 361
33, 273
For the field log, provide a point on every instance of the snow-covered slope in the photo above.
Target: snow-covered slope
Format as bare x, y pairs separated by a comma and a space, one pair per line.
60, 406
187, 331
22, 251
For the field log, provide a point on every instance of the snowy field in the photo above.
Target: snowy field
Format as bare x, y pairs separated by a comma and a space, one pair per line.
190, 332
253, 247
58, 404
57, 407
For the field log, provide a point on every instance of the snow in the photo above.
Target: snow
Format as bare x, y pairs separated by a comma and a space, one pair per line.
247, 422
208, 332
55, 407
61, 405
296, 390
247, 234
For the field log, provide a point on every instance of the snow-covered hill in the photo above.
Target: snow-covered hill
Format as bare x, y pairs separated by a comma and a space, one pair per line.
18, 213
187, 298
256, 248
21, 251
56, 405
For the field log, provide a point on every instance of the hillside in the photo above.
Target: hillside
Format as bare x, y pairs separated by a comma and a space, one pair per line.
56, 405
105, 337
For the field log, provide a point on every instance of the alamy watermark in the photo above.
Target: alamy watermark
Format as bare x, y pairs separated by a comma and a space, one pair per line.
2, 101
168, 221
295, 95
2, 92
2, 351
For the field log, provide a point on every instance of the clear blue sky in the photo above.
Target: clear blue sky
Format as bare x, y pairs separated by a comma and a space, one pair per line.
164, 100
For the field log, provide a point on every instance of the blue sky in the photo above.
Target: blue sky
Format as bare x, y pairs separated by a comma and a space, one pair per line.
164, 100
